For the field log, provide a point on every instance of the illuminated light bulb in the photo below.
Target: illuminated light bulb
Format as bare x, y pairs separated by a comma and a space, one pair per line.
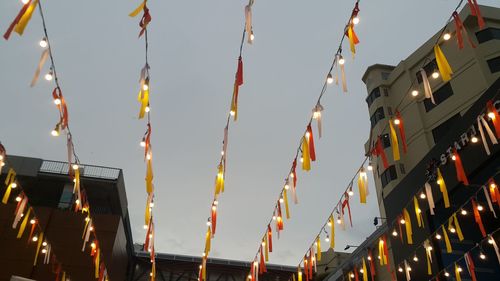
249, 276
438, 236
402, 221
75, 166
415, 258
482, 256
281, 200
255, 263
351, 193
43, 43
369, 167
414, 93
1, 157
400, 269
446, 274
232, 112
394, 233
493, 185
13, 185
480, 207
32, 221
369, 258
490, 241
2, 164
203, 254
44, 244
327, 239
453, 158
87, 219
355, 20
301, 159
274, 218
419, 211
24, 1
214, 208
339, 221
362, 173
151, 205
49, 76
447, 36
77, 202
329, 223
35, 238
459, 269
429, 248
209, 223
341, 60
216, 202
463, 212
287, 186
474, 139
397, 121
22, 215
145, 87
151, 274
143, 143
361, 270
352, 275
222, 153
453, 230
148, 156
18, 199
315, 244
147, 109
378, 257
329, 78
150, 236
435, 74
292, 175
55, 132
308, 135
438, 182
422, 195
263, 244
57, 101
252, 36
409, 268
44, 251
491, 115
201, 266
92, 245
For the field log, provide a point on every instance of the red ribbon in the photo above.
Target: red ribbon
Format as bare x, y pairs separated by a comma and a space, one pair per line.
372, 265
270, 237
214, 219
474, 10
312, 151
145, 20
346, 203
147, 140
356, 275
471, 266
477, 218
294, 167
239, 72
16, 20
279, 222
459, 27
402, 131
262, 266
461, 176
63, 108
496, 119
379, 151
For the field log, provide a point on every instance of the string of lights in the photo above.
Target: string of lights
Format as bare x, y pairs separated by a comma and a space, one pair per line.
79, 195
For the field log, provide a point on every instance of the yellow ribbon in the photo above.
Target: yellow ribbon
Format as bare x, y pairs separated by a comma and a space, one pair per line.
352, 45
138, 9
143, 98
23, 224
332, 232
219, 180
23, 22
9, 181
207, 241
149, 176
457, 273
365, 272
40, 241
285, 199
362, 185
266, 248
446, 240
409, 231
394, 140
444, 190
299, 274
96, 262
381, 252
454, 221
418, 212
306, 158
318, 249
443, 65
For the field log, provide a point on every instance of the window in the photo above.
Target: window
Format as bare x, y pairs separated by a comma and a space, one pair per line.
388, 175
386, 92
373, 96
488, 34
429, 69
440, 95
377, 116
385, 75
66, 196
494, 64
402, 169
389, 111
386, 141
440, 131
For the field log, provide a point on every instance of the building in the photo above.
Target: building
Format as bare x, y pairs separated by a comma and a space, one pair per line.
432, 131
50, 192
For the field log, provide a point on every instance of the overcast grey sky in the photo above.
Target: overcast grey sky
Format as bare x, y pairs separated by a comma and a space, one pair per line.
193, 52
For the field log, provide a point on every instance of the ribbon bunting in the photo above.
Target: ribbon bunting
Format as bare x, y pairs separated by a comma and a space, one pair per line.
459, 27
379, 151
394, 140
363, 186
477, 217
461, 176
237, 83
442, 187
470, 266
402, 133
474, 10
427, 86
407, 224
22, 19
494, 117
442, 63
317, 116
481, 122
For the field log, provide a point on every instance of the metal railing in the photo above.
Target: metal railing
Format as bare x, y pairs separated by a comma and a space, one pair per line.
58, 167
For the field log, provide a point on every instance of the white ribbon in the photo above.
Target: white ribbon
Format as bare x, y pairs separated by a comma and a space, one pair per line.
43, 59
344, 83
493, 139
248, 21
87, 235
495, 246
488, 199
430, 199
407, 271
20, 211
427, 86
46, 260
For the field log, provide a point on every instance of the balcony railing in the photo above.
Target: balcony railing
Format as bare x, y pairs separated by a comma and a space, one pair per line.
61, 168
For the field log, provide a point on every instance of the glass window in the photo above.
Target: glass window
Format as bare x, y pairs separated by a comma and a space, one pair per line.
388, 175
487, 34
377, 116
386, 141
66, 197
440, 95
429, 69
373, 96
494, 64
440, 131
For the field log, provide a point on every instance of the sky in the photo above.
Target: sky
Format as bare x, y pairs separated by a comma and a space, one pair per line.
193, 55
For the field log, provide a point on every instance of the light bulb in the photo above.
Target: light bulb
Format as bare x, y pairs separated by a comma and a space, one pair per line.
55, 133
453, 157
151, 205
32, 221
91, 228
287, 186
446, 274
308, 135
429, 248
341, 60
422, 195
75, 166
145, 226
438, 182
25, 1
214, 208
435, 74
57, 101
216, 202
35, 238
369, 258
438, 236
447, 36
87, 219
355, 20
49, 76
394, 233
147, 109
209, 223
329, 223
480, 207
463, 212
361, 270
252, 36
249, 276
222, 152
150, 236
327, 239
148, 156
13, 185
482, 256
490, 241
402, 221
400, 269
459, 269
44, 244
281, 200
145, 87
232, 112
339, 221
352, 275
414, 93
474, 139
92, 245
493, 185
274, 218
43, 43
301, 159
453, 230
491, 115
397, 121
77, 201
18, 199
369, 167
292, 175
415, 258
329, 78
351, 193
44, 251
